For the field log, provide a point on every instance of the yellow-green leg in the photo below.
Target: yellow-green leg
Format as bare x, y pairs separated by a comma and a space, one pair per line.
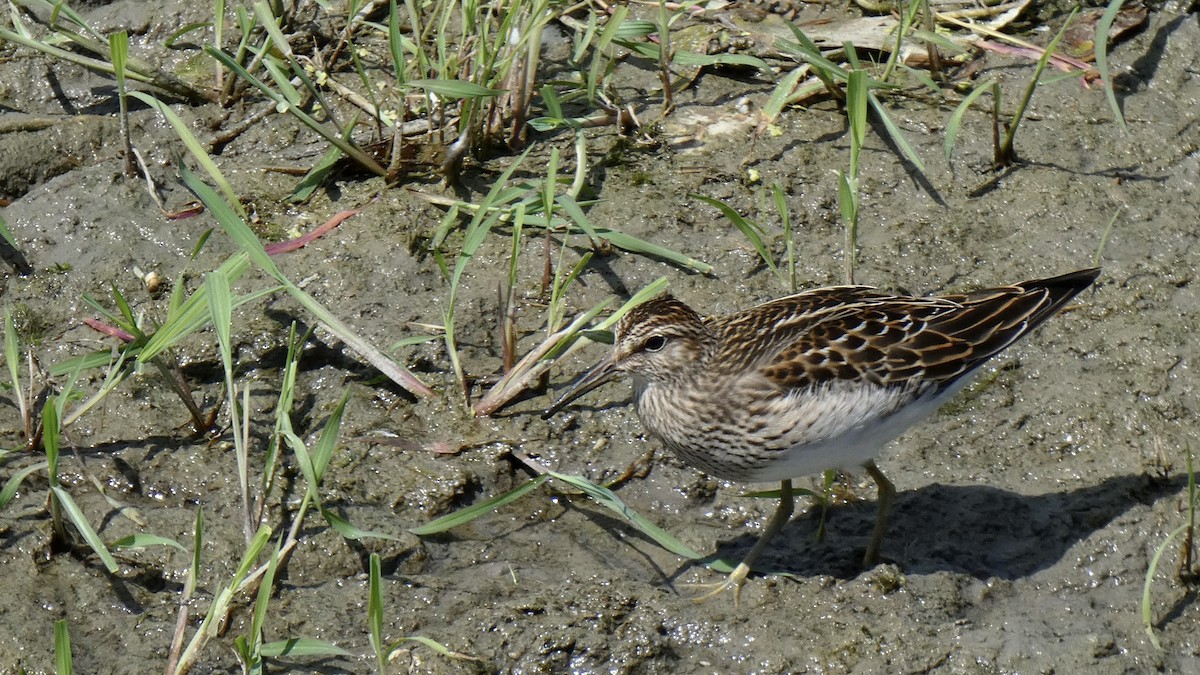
886, 492
738, 577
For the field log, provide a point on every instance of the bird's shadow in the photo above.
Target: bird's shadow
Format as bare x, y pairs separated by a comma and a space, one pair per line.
979, 530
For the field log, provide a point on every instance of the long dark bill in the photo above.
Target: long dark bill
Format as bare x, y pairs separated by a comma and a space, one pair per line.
599, 374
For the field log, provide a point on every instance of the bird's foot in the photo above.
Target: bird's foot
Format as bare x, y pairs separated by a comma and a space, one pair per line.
735, 580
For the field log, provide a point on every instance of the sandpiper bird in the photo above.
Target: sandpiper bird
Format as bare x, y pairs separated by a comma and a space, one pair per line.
818, 380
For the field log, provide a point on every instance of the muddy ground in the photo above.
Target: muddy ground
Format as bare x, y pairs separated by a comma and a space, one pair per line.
1028, 510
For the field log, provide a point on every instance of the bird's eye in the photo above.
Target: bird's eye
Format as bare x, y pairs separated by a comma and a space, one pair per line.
655, 343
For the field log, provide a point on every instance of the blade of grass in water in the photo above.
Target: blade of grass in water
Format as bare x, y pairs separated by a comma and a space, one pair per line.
610, 501
466, 515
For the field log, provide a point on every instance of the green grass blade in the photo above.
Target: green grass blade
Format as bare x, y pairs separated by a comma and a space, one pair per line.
895, 134
848, 205
697, 59
607, 35
253, 249
1006, 147
58, 9
1104, 239
12, 358
328, 440
632, 244
220, 304
955, 123
262, 601
301, 647
197, 547
62, 648
454, 88
856, 115
436, 646
375, 614
50, 432
234, 225
250, 555
315, 177
395, 43
69, 56
192, 315
652, 289
14, 482
610, 500
267, 19
750, 229
283, 81
142, 540
1147, 605
805, 49
194, 147
304, 458
129, 322
7, 234
1103, 30
118, 51
781, 95
474, 511
349, 531
789, 238
333, 136
573, 211
85, 528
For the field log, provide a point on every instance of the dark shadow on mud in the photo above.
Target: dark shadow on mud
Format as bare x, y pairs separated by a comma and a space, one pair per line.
978, 530
1142, 71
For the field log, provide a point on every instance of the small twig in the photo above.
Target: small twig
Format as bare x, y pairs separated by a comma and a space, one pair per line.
150, 186
218, 143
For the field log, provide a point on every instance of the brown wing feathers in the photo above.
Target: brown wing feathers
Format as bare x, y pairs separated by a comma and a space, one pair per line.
930, 340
